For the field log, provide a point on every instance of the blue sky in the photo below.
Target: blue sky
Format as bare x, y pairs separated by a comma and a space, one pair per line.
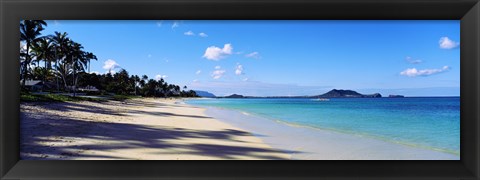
260, 58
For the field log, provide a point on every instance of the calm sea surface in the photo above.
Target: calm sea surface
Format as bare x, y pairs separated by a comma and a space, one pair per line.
431, 123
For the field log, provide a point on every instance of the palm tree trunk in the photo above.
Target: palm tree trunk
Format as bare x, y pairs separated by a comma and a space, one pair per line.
56, 67
64, 76
56, 77
64, 83
25, 64
45, 72
74, 82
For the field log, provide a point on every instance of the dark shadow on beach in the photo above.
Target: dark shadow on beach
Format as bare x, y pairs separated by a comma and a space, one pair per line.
59, 129
164, 114
71, 107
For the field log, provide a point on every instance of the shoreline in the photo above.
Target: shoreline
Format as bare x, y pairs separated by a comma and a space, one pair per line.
295, 125
137, 129
315, 149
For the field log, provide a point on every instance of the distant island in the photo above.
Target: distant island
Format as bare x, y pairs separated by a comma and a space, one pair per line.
340, 93
396, 96
334, 93
235, 96
205, 94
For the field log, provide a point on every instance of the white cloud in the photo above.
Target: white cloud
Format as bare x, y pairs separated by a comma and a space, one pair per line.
412, 60
227, 49
110, 64
189, 33
195, 80
216, 53
158, 77
217, 74
447, 43
202, 34
198, 72
217, 67
149, 56
175, 24
159, 23
254, 55
239, 69
56, 22
413, 72
245, 79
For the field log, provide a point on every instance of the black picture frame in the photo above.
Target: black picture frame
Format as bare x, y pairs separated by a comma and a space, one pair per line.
12, 11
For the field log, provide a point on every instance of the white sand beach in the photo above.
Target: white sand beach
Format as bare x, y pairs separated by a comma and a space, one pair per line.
138, 129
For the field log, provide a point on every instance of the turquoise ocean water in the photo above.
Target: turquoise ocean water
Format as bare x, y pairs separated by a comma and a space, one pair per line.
430, 123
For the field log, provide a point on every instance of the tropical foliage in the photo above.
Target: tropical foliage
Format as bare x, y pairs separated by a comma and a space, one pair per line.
59, 61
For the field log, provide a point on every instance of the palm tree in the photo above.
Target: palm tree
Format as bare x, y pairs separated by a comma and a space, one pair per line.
143, 83
151, 88
60, 41
63, 71
44, 50
36, 72
144, 80
79, 60
136, 80
89, 56
24, 66
86, 57
69, 54
29, 32
76, 58
72, 61
170, 89
177, 89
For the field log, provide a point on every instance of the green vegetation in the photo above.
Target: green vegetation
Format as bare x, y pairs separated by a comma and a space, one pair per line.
61, 65
121, 83
26, 97
122, 97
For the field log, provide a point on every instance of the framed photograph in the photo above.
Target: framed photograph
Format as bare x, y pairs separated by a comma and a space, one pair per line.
305, 89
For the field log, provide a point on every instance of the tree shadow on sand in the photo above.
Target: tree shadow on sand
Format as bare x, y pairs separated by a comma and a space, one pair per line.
58, 129
66, 107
